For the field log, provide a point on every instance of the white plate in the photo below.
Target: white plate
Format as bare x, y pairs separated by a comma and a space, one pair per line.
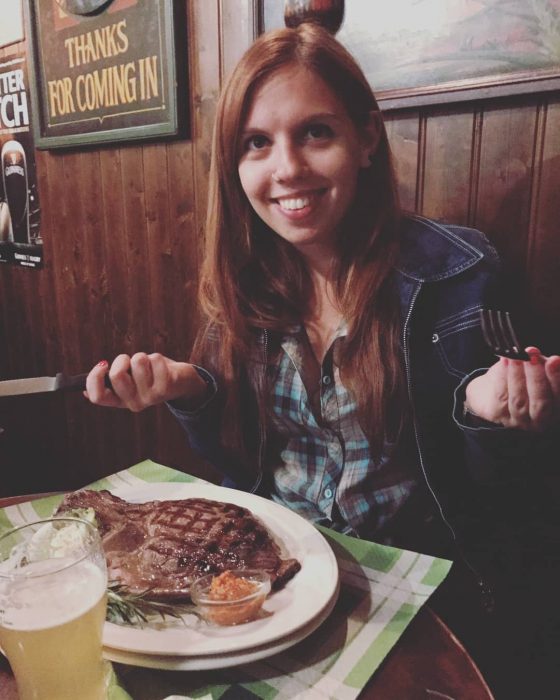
215, 661
300, 602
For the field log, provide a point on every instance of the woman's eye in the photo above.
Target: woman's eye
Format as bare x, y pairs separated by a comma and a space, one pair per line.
319, 131
256, 142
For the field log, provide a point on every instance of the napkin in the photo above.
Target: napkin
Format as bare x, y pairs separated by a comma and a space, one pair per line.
382, 589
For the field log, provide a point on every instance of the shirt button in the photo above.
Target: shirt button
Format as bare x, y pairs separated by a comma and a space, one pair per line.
326, 379
328, 493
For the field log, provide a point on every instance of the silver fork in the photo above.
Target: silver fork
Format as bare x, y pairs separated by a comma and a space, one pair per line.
499, 334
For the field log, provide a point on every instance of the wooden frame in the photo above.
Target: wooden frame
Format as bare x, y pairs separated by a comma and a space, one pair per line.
422, 52
103, 77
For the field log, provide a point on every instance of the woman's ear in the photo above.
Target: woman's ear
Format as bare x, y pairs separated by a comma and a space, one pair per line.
371, 134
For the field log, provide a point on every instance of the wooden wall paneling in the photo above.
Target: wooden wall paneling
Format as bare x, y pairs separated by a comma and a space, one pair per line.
46, 297
543, 260
185, 194
92, 309
70, 240
403, 131
61, 223
446, 186
507, 166
205, 49
137, 271
180, 261
115, 335
158, 227
165, 282
185, 245
116, 429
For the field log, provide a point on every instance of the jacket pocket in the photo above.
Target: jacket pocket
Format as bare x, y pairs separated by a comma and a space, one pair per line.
458, 340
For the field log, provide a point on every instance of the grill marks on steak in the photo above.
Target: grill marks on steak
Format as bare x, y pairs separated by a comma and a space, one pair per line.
164, 545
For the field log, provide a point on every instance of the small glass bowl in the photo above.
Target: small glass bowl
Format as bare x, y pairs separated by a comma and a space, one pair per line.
231, 611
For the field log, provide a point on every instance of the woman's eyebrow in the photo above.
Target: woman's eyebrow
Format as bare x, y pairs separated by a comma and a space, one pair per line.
315, 116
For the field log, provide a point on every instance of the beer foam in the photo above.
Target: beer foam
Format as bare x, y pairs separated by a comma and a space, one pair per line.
41, 601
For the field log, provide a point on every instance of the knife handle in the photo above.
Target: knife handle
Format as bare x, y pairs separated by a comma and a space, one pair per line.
76, 382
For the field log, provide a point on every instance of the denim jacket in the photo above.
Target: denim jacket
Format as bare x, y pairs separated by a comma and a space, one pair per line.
445, 275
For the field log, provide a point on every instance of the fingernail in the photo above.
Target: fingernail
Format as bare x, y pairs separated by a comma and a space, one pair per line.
505, 361
103, 363
534, 357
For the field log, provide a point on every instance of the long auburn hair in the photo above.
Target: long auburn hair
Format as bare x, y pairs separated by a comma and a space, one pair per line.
253, 279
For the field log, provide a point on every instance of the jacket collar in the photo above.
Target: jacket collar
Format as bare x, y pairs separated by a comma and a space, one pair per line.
431, 251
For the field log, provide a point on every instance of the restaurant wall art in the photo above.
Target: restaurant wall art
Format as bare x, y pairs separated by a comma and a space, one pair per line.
104, 70
20, 238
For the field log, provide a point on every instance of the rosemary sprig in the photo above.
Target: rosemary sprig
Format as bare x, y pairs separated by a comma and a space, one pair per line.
124, 607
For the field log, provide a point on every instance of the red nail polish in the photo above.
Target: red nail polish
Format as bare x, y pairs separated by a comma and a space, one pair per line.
103, 363
534, 359
505, 361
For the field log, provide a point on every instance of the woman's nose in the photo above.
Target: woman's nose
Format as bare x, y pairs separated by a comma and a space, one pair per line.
289, 163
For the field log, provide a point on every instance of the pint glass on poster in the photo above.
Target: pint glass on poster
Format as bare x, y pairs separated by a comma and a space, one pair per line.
53, 599
15, 181
6, 233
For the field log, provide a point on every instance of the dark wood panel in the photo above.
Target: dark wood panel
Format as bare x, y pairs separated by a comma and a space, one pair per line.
404, 139
543, 259
447, 166
507, 168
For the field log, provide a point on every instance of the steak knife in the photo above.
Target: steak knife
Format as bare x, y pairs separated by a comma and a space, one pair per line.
42, 385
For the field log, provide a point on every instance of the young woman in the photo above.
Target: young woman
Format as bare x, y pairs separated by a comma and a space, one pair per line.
341, 370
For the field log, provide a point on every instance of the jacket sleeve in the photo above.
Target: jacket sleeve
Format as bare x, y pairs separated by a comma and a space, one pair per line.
492, 452
496, 454
202, 426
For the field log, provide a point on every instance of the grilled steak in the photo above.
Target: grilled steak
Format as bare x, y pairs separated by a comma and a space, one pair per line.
162, 546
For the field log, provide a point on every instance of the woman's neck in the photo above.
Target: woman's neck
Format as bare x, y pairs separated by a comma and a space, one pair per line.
323, 314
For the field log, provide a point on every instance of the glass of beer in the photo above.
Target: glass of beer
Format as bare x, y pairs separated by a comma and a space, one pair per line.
53, 599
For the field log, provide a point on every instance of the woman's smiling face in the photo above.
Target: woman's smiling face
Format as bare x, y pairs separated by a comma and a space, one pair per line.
300, 158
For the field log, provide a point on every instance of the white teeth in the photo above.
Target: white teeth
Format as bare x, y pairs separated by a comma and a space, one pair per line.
294, 204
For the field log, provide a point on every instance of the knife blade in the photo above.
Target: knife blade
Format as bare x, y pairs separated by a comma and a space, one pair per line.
42, 385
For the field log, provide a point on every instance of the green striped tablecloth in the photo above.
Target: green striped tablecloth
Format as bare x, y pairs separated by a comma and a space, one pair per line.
382, 588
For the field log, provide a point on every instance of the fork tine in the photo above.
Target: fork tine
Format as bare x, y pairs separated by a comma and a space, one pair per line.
499, 334
503, 332
488, 331
505, 320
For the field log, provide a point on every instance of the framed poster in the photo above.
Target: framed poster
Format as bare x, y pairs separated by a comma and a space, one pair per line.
103, 71
20, 237
418, 52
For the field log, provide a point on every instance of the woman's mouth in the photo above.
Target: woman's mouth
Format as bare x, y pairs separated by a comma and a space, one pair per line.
294, 204
299, 206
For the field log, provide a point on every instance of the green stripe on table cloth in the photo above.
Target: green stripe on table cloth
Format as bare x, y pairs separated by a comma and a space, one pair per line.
382, 589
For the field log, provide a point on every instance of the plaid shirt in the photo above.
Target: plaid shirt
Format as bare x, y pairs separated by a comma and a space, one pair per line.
325, 470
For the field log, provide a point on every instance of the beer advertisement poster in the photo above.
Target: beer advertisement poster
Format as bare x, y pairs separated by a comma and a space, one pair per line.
20, 238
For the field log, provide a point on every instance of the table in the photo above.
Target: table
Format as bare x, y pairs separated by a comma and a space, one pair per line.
428, 662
